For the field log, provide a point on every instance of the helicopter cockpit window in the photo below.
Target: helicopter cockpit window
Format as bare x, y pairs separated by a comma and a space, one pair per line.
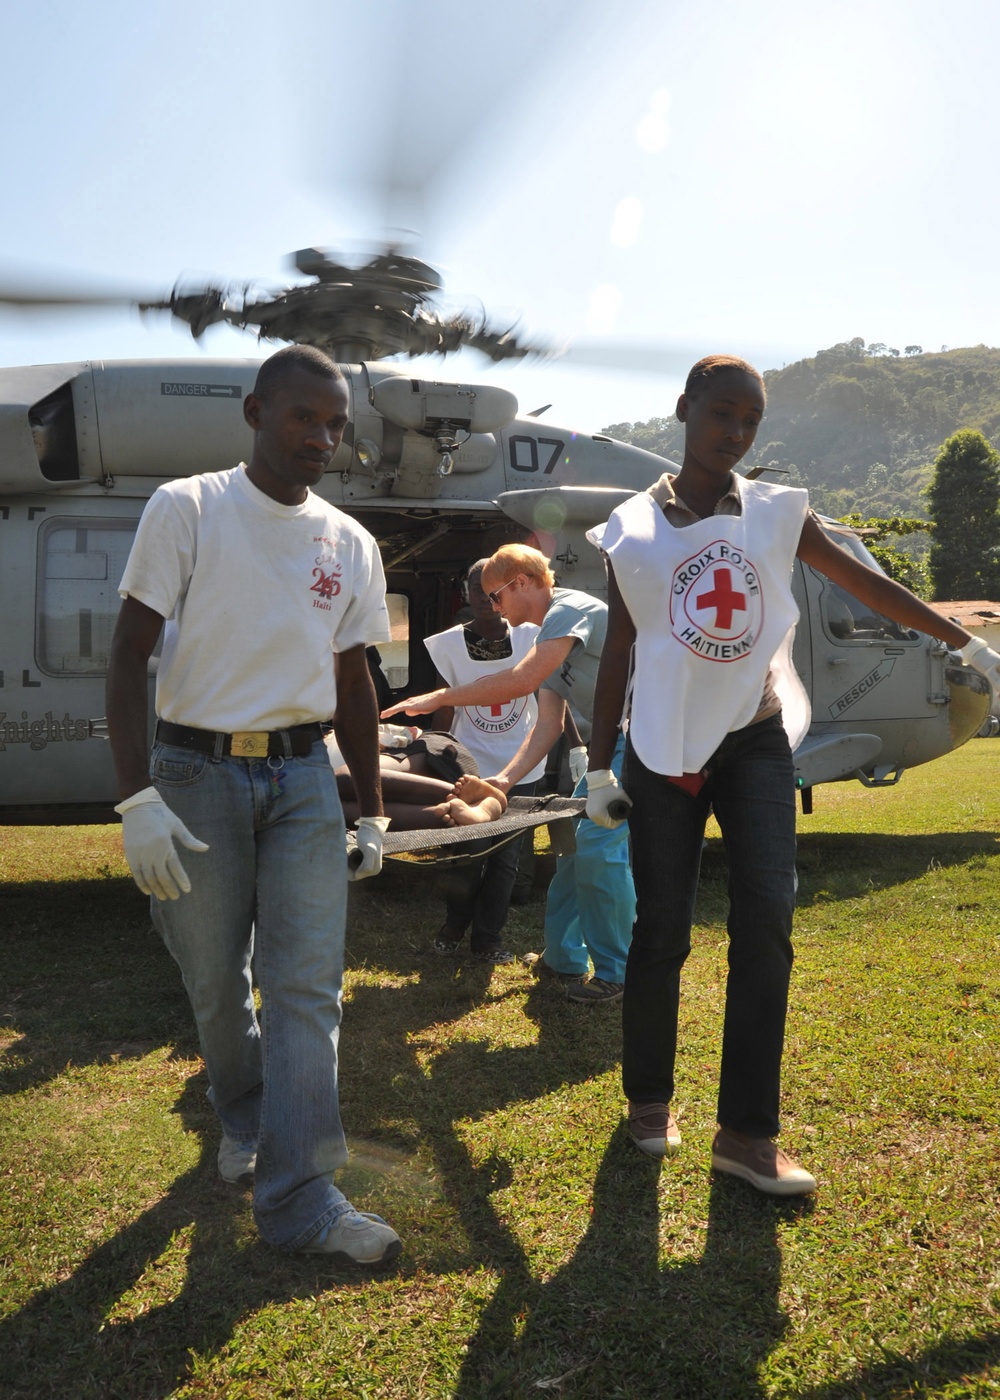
395, 654
80, 565
845, 618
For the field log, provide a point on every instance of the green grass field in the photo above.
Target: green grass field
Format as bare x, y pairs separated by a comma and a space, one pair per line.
543, 1254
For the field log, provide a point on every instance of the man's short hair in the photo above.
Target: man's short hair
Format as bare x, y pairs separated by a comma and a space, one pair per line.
289, 361
476, 568
513, 559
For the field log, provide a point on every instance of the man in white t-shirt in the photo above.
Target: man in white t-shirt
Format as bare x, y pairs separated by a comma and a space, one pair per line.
478, 898
267, 597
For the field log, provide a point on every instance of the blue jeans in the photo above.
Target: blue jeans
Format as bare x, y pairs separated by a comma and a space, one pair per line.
752, 793
272, 888
480, 894
591, 901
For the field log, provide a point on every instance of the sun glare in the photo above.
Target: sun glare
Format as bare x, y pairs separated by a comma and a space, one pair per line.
653, 131
625, 225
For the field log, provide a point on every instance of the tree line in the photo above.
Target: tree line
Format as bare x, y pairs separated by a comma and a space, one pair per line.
861, 426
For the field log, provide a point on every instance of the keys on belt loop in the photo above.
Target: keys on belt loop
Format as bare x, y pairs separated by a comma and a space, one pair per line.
276, 773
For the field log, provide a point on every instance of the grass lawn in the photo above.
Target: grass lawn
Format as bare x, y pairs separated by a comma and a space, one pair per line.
543, 1254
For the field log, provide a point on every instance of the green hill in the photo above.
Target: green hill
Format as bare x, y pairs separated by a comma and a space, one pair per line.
860, 425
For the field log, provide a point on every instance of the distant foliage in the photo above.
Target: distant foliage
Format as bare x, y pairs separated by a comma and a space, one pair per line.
964, 500
833, 419
906, 569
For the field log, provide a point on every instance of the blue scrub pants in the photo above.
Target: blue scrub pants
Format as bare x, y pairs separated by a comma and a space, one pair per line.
591, 901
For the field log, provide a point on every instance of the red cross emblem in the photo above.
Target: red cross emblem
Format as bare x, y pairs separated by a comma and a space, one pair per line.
723, 598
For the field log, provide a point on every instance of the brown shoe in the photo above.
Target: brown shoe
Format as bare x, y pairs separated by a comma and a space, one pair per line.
536, 964
761, 1162
653, 1129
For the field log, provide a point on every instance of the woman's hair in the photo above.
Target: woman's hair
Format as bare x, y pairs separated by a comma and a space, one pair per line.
513, 559
704, 370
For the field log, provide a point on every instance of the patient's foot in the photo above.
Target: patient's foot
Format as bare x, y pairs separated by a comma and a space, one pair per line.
474, 790
456, 812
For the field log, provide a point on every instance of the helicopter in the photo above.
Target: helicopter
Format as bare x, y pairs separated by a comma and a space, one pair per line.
441, 473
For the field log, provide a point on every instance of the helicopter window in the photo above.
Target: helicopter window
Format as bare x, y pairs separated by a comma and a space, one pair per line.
79, 568
396, 653
846, 618
53, 431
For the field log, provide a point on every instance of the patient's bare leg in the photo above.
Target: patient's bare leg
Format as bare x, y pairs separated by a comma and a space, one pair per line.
415, 803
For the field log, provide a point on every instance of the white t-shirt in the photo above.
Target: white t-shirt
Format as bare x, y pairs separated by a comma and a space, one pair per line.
258, 597
492, 733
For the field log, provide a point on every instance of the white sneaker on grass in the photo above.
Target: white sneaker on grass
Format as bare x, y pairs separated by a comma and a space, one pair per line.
356, 1238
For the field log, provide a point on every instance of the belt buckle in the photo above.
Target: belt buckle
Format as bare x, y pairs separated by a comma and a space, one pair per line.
249, 744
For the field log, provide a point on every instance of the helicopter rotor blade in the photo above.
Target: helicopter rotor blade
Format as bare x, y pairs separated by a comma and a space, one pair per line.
25, 299
630, 358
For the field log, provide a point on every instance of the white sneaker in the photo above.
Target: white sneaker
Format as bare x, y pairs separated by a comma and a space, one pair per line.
237, 1161
356, 1238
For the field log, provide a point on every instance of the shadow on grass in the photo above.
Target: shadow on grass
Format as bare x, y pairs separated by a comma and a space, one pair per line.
87, 981
61, 1343
846, 866
970, 1362
90, 981
615, 1321
85, 978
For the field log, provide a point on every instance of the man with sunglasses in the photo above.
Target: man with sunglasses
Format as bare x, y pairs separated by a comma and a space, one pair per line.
591, 901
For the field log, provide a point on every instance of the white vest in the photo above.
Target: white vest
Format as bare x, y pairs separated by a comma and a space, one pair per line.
713, 611
492, 733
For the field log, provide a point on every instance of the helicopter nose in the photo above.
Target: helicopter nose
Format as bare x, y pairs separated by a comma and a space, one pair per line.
970, 697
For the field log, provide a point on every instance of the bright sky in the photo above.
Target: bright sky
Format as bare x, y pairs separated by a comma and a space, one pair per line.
700, 175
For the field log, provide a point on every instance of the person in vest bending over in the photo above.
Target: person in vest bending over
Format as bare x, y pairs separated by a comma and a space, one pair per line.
591, 900
478, 896
699, 584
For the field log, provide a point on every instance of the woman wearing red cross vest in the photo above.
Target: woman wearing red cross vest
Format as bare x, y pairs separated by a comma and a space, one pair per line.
700, 585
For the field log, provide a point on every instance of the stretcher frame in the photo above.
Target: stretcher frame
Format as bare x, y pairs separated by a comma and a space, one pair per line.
430, 847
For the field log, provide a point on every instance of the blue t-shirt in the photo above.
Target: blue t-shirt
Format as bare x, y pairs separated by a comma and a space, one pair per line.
585, 619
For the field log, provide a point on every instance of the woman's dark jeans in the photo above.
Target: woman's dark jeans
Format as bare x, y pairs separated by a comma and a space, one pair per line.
751, 790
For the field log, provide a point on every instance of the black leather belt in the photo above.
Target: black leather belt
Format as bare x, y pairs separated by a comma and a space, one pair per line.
253, 743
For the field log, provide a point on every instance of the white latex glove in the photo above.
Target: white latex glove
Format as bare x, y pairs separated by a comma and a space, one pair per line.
980, 655
602, 791
148, 831
577, 764
369, 843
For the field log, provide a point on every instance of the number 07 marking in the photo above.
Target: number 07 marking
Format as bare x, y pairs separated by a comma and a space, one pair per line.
522, 446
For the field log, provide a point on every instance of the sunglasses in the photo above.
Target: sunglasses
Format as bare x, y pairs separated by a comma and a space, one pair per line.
494, 597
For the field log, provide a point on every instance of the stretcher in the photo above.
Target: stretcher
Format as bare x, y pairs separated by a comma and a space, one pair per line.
453, 845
